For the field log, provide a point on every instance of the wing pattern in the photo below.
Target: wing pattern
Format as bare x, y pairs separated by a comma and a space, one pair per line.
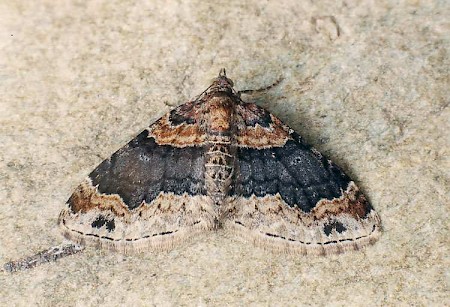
150, 193
290, 197
218, 161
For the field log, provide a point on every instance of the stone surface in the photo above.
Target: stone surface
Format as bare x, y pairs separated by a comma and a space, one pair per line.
366, 84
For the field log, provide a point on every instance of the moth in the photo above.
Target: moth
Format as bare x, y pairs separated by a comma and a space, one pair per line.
218, 162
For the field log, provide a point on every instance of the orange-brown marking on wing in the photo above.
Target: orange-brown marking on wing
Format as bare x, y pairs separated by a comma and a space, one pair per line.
276, 135
86, 198
178, 136
352, 202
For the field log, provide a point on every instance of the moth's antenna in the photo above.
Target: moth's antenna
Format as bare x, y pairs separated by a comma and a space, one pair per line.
222, 73
261, 89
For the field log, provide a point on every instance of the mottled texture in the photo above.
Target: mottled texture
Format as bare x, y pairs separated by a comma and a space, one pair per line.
365, 82
282, 182
142, 169
301, 177
106, 221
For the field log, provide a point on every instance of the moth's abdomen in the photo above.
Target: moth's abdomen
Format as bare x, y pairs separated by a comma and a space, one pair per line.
219, 169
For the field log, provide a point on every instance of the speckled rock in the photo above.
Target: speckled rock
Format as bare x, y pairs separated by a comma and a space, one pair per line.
367, 84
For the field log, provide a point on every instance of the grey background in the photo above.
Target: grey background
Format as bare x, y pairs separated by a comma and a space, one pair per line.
367, 84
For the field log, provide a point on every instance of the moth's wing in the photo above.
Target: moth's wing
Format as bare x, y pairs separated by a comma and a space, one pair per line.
287, 196
150, 193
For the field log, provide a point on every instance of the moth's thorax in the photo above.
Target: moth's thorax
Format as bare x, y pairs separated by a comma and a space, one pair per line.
219, 118
221, 84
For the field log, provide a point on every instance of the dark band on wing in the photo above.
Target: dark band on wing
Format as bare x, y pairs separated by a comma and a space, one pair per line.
176, 118
142, 169
252, 115
301, 176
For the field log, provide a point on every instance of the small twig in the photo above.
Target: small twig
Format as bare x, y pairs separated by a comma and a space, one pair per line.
49, 255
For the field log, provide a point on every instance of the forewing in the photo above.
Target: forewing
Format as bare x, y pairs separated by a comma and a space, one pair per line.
150, 193
288, 196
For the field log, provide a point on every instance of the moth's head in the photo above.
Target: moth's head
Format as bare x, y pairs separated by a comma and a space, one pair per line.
222, 83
